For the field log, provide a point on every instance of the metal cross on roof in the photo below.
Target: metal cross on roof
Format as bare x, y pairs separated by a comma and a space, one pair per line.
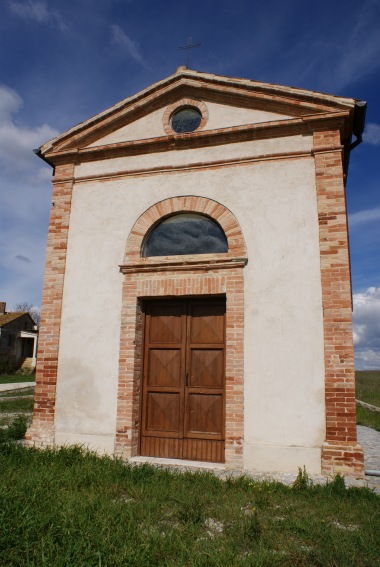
189, 47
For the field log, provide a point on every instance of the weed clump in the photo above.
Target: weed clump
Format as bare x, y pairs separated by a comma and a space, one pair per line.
15, 431
338, 485
303, 481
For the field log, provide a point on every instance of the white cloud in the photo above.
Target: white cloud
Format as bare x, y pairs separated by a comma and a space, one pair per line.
37, 11
366, 328
18, 142
121, 39
10, 102
372, 134
24, 202
362, 217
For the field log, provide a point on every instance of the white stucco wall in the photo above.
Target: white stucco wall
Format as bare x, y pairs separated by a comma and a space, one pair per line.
175, 158
275, 204
220, 116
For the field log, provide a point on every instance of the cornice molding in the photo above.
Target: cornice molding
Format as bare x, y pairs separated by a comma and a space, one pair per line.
181, 264
244, 93
203, 138
216, 164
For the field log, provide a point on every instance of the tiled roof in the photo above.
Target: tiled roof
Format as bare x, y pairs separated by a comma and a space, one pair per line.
8, 317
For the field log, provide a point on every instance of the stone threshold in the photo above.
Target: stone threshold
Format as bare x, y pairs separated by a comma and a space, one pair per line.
179, 463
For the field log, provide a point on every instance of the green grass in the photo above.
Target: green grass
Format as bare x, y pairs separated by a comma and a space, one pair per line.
368, 390
367, 418
9, 407
368, 386
67, 507
24, 392
16, 429
13, 406
11, 378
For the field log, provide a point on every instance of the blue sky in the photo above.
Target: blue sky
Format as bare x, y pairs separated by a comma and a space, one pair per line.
62, 61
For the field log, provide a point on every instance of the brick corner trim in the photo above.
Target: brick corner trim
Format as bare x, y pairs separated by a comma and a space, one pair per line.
340, 452
345, 458
41, 432
183, 279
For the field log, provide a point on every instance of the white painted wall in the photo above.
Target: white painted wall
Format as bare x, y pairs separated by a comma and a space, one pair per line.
175, 158
275, 204
220, 116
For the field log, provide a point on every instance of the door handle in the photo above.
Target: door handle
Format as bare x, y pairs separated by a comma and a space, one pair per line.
187, 379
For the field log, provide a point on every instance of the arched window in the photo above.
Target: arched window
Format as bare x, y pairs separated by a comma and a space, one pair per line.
185, 233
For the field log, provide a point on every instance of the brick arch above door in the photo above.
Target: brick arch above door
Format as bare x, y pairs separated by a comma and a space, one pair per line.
188, 203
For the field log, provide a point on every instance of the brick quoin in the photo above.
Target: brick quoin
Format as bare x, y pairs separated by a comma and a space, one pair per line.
41, 431
145, 279
340, 452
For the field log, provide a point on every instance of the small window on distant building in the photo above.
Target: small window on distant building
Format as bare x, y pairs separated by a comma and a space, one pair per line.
186, 233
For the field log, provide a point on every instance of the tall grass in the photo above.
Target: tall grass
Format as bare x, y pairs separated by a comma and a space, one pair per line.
368, 418
12, 378
368, 386
68, 507
368, 390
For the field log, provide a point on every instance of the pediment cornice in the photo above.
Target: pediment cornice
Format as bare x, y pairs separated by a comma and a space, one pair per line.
297, 126
306, 107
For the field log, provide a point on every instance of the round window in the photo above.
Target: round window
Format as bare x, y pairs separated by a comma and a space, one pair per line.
186, 120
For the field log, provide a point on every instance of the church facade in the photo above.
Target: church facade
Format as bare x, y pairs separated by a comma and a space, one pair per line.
197, 297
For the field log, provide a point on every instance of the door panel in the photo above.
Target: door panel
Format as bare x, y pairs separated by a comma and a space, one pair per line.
206, 323
202, 450
206, 368
164, 367
205, 414
183, 401
165, 323
163, 412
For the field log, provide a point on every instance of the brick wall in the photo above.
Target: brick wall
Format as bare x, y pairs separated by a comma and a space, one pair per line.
340, 452
41, 431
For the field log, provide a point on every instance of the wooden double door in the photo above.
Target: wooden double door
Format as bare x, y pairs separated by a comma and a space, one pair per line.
183, 398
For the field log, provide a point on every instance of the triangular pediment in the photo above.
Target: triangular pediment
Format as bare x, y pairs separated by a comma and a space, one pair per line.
230, 104
152, 125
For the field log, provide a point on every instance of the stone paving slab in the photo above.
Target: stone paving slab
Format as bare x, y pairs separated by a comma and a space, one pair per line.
369, 439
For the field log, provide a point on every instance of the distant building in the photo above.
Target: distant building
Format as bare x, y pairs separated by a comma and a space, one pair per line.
197, 297
18, 340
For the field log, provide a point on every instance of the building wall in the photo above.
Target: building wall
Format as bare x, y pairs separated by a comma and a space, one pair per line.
10, 344
275, 203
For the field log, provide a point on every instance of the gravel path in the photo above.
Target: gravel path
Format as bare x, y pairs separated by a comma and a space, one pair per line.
369, 439
16, 386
